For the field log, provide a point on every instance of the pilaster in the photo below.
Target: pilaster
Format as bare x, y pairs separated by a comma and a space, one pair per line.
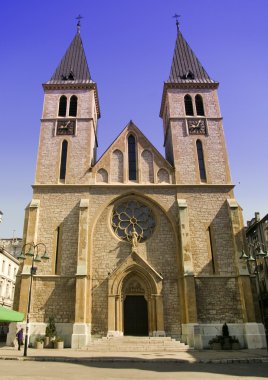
237, 228
30, 236
187, 262
81, 274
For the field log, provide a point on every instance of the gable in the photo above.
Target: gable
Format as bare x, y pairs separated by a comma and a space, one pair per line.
138, 163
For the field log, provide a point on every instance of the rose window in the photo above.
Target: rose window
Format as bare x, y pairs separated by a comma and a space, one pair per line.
133, 216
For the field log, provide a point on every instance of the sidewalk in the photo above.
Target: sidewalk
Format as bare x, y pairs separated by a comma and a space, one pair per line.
192, 356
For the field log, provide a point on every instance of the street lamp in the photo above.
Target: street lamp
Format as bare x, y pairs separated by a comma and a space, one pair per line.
255, 261
31, 250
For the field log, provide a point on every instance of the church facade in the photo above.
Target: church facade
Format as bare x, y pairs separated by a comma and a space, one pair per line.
139, 244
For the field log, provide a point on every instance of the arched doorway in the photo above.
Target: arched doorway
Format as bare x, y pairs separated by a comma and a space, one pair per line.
135, 305
135, 308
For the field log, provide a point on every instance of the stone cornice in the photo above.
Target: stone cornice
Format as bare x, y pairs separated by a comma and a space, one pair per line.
85, 187
195, 117
53, 119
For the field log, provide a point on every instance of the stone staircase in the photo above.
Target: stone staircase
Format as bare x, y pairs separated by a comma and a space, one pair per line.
136, 344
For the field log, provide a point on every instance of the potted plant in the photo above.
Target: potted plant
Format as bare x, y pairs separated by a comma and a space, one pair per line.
216, 343
58, 343
51, 332
235, 343
39, 343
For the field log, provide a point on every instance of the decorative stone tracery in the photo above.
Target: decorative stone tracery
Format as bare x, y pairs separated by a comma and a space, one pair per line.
133, 217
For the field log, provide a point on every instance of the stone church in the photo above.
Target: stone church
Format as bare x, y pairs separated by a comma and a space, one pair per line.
139, 244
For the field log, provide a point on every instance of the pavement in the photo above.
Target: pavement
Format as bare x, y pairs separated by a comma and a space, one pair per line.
82, 355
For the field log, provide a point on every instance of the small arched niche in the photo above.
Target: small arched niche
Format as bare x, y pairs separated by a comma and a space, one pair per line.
163, 176
102, 176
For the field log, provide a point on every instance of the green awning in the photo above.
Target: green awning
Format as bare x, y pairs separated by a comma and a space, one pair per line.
8, 315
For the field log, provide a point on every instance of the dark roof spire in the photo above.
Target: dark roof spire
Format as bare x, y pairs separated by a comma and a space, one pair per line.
73, 66
186, 67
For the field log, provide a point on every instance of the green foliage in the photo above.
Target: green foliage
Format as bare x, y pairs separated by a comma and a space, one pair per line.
216, 339
58, 339
39, 339
51, 328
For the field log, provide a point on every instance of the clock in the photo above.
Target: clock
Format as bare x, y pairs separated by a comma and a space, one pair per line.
65, 127
197, 126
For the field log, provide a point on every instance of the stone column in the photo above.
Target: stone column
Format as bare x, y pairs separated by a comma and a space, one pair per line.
115, 323
187, 263
81, 328
160, 330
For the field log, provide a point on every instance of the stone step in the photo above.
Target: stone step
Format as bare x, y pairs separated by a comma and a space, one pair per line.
136, 344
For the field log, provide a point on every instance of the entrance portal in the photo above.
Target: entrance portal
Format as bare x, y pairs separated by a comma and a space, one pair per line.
135, 316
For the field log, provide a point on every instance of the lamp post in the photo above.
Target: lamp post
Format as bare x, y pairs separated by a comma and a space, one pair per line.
255, 261
31, 250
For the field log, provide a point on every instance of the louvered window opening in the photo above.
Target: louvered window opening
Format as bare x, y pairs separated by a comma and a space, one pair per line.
73, 106
188, 105
199, 105
201, 162
132, 165
62, 106
63, 162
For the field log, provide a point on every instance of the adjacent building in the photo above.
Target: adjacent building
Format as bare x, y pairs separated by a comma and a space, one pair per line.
257, 237
8, 271
139, 244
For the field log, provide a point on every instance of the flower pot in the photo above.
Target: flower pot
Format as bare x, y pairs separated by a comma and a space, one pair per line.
236, 346
59, 345
39, 345
47, 342
227, 343
216, 346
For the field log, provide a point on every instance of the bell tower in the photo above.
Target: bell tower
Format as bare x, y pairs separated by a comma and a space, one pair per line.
68, 135
193, 132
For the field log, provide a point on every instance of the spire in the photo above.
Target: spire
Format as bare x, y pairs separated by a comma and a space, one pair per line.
73, 66
186, 68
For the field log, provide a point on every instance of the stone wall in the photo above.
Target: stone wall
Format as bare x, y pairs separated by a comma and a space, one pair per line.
53, 297
218, 300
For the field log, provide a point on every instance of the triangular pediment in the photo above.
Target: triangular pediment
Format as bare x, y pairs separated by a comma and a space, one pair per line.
151, 165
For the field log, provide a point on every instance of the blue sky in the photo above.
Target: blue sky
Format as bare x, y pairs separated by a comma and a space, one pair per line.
129, 46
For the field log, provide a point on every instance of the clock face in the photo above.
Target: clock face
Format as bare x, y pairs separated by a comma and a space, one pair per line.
65, 127
197, 126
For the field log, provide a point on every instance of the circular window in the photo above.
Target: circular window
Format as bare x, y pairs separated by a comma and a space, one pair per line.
133, 216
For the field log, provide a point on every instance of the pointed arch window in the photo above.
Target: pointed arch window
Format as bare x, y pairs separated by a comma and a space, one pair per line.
62, 105
188, 105
201, 162
132, 165
64, 149
199, 105
73, 106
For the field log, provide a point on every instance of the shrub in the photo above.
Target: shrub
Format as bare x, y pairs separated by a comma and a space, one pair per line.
51, 328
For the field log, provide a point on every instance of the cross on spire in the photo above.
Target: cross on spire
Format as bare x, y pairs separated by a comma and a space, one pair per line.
177, 20
79, 17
